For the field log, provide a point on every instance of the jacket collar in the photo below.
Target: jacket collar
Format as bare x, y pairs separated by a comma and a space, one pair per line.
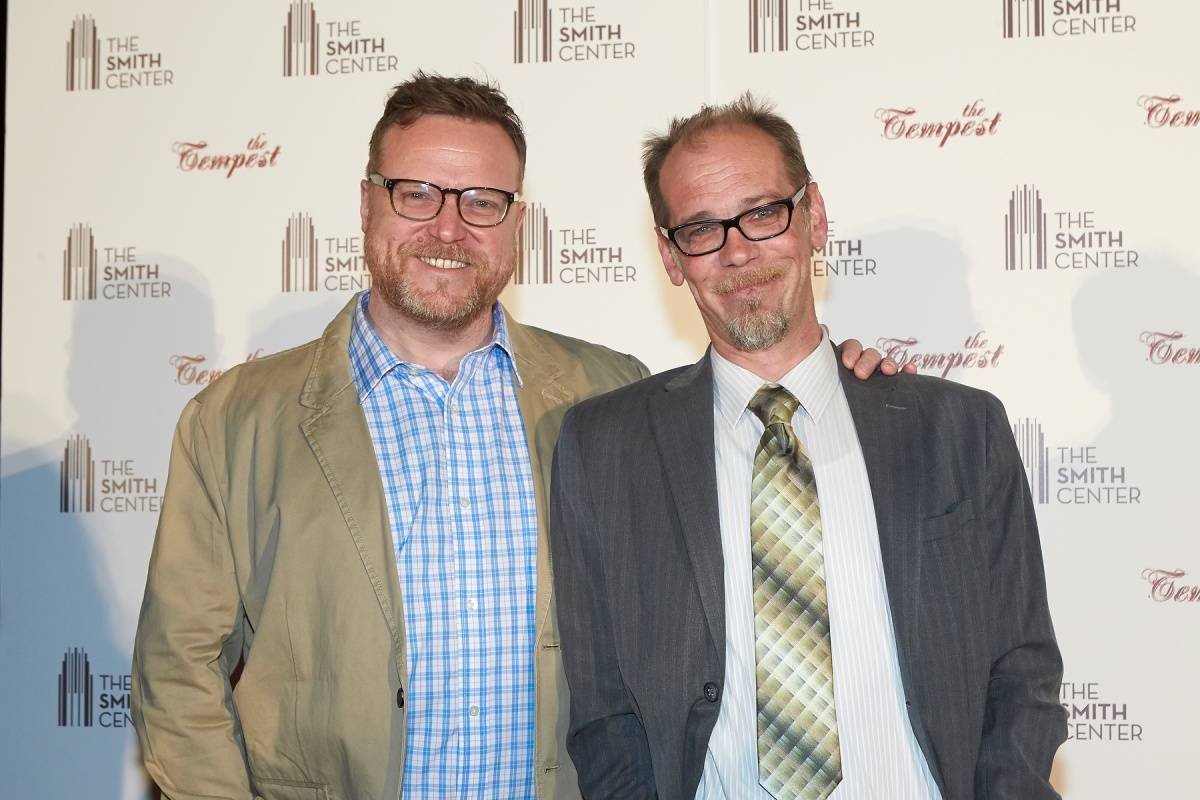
331, 371
329, 375
537, 369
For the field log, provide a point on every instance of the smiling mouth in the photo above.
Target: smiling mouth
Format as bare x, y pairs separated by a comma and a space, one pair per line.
444, 263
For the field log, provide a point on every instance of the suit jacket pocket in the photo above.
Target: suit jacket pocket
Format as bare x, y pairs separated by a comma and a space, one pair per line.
278, 789
949, 523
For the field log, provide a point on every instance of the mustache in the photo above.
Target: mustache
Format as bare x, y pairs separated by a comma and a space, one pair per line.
748, 278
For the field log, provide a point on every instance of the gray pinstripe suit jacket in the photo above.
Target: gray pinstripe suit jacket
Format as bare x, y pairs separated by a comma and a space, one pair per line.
638, 575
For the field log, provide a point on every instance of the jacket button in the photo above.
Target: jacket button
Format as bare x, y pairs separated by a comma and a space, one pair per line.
400, 697
711, 692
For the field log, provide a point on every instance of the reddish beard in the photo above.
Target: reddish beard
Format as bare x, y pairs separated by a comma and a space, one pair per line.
437, 308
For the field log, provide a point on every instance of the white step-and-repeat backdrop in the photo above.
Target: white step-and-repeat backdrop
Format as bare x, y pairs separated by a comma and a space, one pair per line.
1012, 186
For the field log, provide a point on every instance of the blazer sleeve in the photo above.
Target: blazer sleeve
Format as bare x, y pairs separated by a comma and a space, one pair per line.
1024, 724
189, 635
605, 738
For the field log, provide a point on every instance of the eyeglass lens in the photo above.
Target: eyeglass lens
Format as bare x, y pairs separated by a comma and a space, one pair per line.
757, 223
423, 201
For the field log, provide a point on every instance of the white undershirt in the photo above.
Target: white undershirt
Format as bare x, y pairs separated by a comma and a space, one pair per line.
880, 755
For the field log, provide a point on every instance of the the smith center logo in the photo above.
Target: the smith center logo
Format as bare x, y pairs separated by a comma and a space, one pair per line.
311, 262
87, 699
567, 255
90, 272
97, 61
1036, 18
542, 33
1039, 239
338, 47
1071, 475
777, 26
1094, 716
843, 257
87, 483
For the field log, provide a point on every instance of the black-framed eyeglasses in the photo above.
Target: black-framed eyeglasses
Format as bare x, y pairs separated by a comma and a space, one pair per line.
701, 237
480, 206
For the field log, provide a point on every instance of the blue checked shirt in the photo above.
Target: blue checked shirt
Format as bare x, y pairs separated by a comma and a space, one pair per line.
456, 471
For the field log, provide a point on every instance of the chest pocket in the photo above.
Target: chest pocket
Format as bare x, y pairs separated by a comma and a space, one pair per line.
958, 518
270, 789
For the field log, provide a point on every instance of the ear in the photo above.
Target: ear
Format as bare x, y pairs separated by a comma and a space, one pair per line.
518, 208
364, 203
670, 258
818, 223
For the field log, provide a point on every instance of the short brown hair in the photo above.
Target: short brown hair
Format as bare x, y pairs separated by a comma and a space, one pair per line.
424, 94
746, 110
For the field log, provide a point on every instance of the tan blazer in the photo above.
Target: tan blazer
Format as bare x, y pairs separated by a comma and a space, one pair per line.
274, 547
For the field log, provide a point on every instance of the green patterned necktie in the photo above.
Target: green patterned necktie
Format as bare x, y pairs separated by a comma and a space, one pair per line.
798, 753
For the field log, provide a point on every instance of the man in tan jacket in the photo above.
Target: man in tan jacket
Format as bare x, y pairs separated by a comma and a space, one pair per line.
350, 593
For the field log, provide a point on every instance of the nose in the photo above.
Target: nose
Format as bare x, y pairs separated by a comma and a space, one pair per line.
737, 249
448, 225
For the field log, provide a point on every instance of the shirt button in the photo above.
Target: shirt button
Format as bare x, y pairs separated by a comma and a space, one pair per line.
454, 408
472, 604
711, 692
464, 502
474, 711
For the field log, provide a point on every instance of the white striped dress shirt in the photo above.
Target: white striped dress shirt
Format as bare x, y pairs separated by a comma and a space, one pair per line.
880, 755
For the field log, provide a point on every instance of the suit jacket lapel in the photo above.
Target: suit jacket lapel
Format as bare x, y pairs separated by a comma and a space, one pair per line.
682, 420
888, 419
885, 420
341, 443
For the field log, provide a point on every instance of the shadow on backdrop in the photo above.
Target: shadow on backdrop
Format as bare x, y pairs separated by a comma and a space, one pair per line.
78, 519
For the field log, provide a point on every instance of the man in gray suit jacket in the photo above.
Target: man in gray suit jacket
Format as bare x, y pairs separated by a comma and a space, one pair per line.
727, 634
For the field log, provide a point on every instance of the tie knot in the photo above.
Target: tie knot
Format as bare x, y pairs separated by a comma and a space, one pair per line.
773, 403
775, 406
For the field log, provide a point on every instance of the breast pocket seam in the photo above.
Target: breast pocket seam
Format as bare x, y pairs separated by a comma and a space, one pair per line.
950, 524
283, 783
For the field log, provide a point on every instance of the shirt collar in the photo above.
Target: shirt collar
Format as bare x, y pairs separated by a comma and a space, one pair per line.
371, 359
813, 382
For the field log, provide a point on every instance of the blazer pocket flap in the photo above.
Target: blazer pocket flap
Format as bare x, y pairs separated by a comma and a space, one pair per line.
280, 789
956, 517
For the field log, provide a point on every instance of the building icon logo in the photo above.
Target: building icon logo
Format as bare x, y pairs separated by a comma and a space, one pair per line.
531, 31
77, 476
1025, 230
75, 690
79, 264
768, 26
300, 40
83, 55
299, 261
536, 245
1024, 18
1031, 442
